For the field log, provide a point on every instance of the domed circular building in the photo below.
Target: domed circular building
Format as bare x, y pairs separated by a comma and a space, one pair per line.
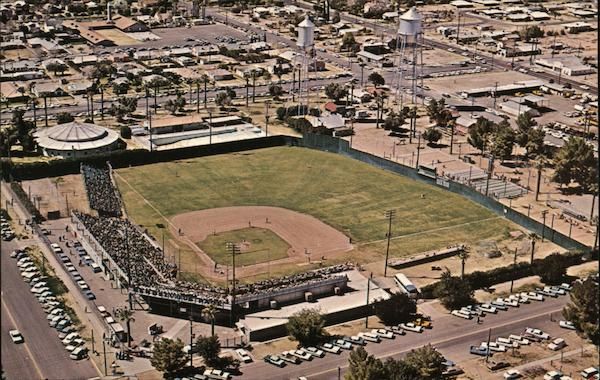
74, 140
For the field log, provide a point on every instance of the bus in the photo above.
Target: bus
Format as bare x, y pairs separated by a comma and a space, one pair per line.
406, 285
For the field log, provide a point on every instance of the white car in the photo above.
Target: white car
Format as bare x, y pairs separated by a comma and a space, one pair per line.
519, 339
330, 348
537, 333
488, 308
507, 342
411, 327
493, 346
16, 337
566, 325
383, 333
369, 337
511, 302
69, 338
244, 356
535, 296
342, 344
557, 344
314, 351
553, 375
566, 286
512, 374
460, 314
301, 354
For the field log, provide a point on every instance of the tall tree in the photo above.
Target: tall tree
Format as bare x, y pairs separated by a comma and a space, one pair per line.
575, 162
209, 313
427, 361
582, 309
168, 356
432, 135
126, 315
306, 327
503, 141
479, 133
335, 91
362, 366
398, 308
393, 122
376, 79
453, 292
205, 80
348, 41
525, 124
208, 347
552, 269
533, 238
434, 108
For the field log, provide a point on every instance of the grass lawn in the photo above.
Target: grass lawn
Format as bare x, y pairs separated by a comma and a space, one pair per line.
347, 194
258, 245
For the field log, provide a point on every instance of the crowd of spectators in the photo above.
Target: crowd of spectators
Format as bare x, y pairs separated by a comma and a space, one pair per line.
151, 275
129, 248
101, 191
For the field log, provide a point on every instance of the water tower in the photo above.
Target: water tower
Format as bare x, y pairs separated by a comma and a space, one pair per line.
306, 46
409, 39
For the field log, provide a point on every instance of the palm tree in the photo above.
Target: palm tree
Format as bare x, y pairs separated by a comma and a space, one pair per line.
126, 315
539, 163
253, 86
533, 237
594, 190
247, 78
101, 88
208, 313
463, 256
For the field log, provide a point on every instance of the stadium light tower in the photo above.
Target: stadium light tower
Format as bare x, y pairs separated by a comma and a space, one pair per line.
234, 249
390, 214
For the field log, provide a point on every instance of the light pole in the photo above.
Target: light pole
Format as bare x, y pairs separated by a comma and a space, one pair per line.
418, 151
544, 212
390, 214
367, 308
267, 104
209, 128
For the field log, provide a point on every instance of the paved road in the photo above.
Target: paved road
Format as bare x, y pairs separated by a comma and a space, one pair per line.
451, 335
42, 355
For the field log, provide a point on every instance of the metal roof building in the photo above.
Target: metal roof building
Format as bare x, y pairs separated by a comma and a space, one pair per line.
75, 140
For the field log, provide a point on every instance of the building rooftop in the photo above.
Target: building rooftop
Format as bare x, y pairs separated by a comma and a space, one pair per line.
75, 136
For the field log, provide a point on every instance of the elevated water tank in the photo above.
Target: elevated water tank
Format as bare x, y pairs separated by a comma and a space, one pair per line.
410, 23
306, 34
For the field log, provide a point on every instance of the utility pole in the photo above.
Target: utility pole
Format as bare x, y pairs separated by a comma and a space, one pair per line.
368, 289
267, 104
495, 93
390, 214
192, 336
487, 350
544, 212
104, 352
418, 152
234, 249
514, 263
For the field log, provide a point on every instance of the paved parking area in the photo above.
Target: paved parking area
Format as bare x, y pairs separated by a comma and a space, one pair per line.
43, 354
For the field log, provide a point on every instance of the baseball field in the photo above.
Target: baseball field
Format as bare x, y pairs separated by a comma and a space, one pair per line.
335, 203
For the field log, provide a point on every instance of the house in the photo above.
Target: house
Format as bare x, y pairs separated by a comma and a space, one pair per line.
128, 25
49, 46
18, 66
80, 87
539, 16
48, 89
378, 48
331, 121
461, 4
518, 49
248, 71
22, 75
379, 60
219, 74
570, 66
200, 51
577, 27
85, 60
13, 92
172, 124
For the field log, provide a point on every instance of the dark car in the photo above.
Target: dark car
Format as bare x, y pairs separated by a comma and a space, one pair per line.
494, 366
90, 295
452, 371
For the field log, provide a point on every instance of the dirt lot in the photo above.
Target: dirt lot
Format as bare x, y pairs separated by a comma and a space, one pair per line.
58, 193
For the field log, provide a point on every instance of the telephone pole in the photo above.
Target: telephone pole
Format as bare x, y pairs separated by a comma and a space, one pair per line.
390, 214
234, 249
267, 104
512, 281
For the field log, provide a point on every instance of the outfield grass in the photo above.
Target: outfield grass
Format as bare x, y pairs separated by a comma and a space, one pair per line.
347, 194
258, 245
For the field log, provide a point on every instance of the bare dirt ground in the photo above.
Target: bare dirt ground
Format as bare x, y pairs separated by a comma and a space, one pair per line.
305, 234
59, 193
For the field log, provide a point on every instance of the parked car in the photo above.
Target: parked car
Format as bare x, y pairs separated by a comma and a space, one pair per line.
589, 373
557, 344
244, 355
452, 371
553, 375
341, 343
537, 333
535, 296
369, 337
488, 308
275, 360
423, 323
314, 351
566, 325
383, 333
330, 348
355, 340
411, 327
460, 314
79, 353
481, 351
396, 330
494, 365
285, 356
301, 354
493, 346
512, 374
519, 339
